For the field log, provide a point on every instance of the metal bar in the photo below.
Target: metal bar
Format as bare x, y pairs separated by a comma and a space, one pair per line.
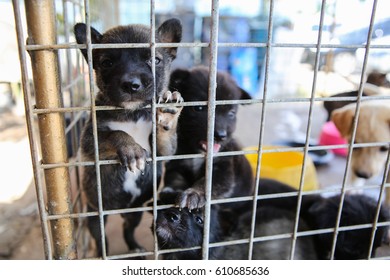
41, 27
354, 128
262, 126
210, 122
220, 154
308, 130
75, 117
154, 132
215, 201
35, 47
217, 102
94, 129
380, 198
30, 129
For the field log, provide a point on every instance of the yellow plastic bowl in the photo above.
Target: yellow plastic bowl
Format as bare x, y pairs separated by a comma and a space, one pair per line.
285, 167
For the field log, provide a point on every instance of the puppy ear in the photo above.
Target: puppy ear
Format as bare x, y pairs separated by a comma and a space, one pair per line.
178, 77
80, 31
170, 31
343, 119
245, 94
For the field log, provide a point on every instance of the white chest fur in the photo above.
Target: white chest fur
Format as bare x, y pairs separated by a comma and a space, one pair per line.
140, 131
130, 185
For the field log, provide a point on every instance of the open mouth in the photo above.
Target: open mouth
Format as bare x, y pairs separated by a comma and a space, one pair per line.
216, 146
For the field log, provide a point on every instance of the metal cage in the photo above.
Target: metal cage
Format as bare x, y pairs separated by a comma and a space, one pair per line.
63, 96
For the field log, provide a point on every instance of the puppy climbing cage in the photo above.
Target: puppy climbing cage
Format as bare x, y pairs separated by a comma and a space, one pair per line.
58, 103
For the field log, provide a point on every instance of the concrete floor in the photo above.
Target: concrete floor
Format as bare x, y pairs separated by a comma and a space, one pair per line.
20, 233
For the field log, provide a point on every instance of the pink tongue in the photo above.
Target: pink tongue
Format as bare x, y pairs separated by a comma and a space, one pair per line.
216, 147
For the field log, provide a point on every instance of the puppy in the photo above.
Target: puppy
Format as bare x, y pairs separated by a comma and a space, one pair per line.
180, 228
232, 175
375, 85
321, 213
177, 228
184, 229
351, 244
124, 77
373, 126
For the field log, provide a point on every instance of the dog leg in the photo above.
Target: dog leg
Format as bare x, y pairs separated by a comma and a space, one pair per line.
118, 143
222, 186
167, 119
131, 221
93, 224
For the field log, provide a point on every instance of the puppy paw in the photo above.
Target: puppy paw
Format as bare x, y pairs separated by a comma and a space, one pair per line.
170, 97
191, 199
133, 157
167, 119
167, 116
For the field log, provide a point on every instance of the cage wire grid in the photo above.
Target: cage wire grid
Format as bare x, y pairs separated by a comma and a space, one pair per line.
58, 245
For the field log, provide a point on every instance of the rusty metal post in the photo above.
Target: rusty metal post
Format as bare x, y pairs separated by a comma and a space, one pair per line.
41, 30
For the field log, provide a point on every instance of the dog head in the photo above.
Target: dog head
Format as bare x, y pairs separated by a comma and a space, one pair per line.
124, 75
193, 85
179, 228
357, 210
373, 126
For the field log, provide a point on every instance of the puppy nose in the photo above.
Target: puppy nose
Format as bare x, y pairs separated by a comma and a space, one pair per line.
220, 134
362, 174
131, 85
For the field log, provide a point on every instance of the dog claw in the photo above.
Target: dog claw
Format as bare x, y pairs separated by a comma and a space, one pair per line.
171, 97
141, 164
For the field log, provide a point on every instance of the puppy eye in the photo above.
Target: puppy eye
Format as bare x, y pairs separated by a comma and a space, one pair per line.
232, 114
156, 61
384, 148
199, 220
199, 108
107, 63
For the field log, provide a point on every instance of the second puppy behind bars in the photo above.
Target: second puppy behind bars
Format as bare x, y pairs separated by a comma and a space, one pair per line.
231, 175
125, 79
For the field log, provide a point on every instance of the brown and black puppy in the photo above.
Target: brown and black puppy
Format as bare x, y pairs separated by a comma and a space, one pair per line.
124, 77
232, 175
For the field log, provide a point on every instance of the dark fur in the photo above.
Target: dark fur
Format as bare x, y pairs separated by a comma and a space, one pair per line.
178, 229
276, 216
184, 229
351, 244
321, 213
232, 175
375, 78
124, 77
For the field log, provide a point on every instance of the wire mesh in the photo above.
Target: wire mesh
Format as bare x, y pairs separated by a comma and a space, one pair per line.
77, 79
